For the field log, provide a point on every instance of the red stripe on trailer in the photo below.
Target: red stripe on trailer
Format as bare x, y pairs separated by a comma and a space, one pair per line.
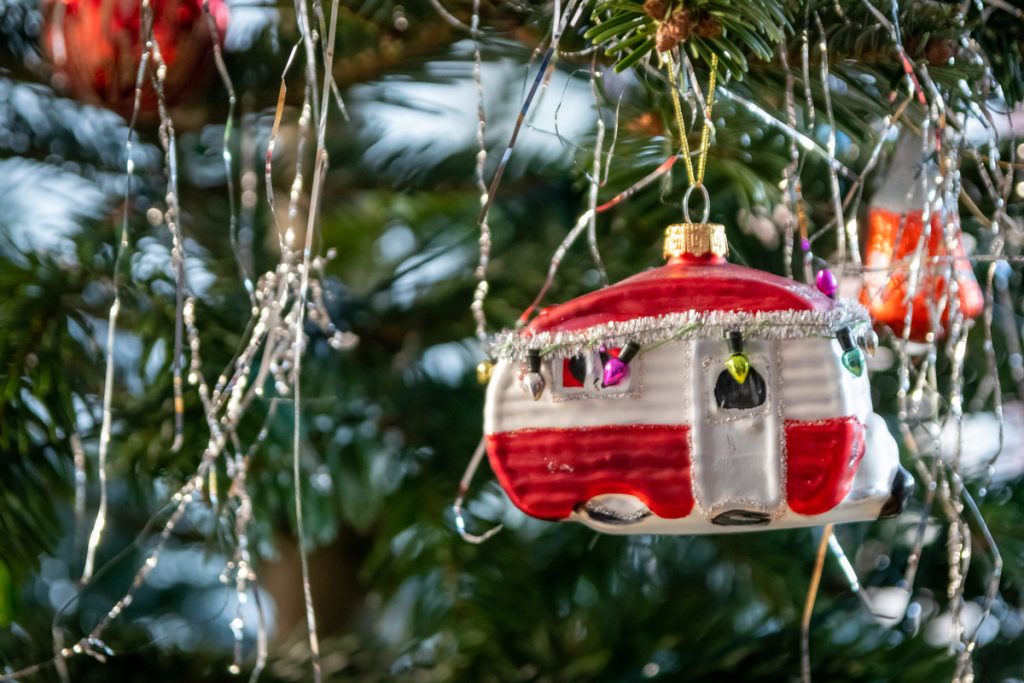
682, 285
548, 472
821, 461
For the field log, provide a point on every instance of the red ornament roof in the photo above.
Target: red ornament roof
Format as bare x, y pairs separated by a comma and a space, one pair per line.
682, 284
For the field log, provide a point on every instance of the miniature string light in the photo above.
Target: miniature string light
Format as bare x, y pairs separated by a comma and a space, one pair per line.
738, 364
616, 368
533, 380
826, 282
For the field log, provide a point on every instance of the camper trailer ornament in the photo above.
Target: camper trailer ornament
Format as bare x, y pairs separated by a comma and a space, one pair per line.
697, 397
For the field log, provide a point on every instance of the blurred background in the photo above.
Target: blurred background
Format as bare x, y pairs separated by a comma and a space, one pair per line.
391, 407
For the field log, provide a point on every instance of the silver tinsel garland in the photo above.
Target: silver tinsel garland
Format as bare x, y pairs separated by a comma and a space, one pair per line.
650, 331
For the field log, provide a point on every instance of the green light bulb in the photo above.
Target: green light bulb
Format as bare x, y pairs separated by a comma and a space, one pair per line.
853, 360
739, 367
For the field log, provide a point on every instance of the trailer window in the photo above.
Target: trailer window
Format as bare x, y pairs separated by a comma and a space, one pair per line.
732, 395
582, 375
574, 371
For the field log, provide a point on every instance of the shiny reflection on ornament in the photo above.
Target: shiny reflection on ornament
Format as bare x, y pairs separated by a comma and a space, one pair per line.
616, 366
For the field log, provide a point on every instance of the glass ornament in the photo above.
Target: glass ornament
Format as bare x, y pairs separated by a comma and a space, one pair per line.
95, 47
778, 433
896, 233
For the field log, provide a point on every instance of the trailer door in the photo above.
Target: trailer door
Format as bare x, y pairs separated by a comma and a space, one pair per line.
737, 435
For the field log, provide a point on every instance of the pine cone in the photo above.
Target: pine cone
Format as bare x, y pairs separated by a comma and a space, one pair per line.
674, 30
656, 9
939, 51
647, 124
708, 26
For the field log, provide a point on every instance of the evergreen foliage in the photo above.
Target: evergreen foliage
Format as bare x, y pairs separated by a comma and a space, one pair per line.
389, 426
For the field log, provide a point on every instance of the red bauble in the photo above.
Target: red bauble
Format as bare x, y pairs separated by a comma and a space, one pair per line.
895, 229
95, 47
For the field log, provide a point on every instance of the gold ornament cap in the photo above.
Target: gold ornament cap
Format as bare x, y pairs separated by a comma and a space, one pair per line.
699, 240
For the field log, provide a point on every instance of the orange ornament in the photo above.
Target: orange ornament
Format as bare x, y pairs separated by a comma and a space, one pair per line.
896, 231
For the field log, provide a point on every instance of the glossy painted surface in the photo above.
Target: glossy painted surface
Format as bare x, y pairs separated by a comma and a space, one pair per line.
682, 285
661, 451
548, 472
821, 461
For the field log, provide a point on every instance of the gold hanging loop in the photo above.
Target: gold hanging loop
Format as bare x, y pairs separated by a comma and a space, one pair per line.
686, 203
696, 179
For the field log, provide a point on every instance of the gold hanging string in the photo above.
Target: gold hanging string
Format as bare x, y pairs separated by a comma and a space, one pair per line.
705, 134
696, 179
812, 593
